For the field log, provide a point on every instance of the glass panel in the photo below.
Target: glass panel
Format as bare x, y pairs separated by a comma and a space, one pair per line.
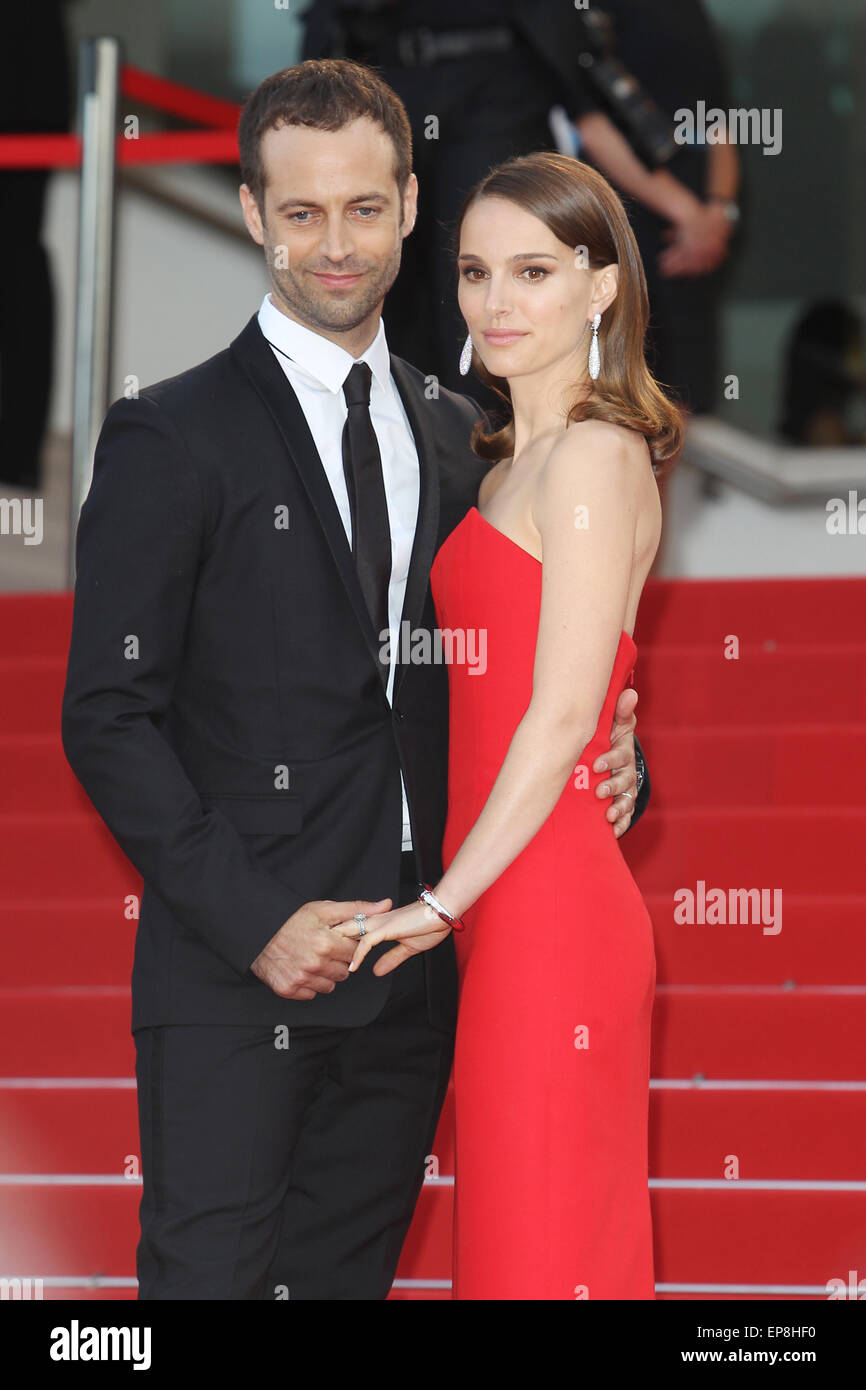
803, 209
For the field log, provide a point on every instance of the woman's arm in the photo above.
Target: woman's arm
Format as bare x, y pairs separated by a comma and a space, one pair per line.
586, 576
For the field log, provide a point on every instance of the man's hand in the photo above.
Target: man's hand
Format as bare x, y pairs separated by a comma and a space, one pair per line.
620, 762
306, 957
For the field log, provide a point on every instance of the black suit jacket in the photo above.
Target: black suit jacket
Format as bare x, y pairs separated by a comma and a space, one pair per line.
223, 706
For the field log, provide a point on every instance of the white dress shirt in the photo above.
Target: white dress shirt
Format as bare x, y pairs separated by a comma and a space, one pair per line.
317, 368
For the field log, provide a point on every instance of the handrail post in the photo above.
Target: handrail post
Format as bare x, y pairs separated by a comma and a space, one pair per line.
98, 85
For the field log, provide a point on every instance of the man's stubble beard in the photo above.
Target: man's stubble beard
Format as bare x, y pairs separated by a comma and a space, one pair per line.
319, 310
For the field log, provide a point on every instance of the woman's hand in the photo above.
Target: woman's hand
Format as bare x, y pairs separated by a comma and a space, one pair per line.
415, 927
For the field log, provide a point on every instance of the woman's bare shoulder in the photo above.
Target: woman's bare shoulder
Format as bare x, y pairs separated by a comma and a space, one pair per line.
588, 444
604, 436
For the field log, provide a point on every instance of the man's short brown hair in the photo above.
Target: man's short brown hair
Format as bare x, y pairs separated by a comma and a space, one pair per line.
327, 94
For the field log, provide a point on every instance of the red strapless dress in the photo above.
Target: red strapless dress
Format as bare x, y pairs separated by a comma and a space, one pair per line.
557, 976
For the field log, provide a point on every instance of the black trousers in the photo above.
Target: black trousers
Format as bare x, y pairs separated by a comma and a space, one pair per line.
287, 1172
683, 347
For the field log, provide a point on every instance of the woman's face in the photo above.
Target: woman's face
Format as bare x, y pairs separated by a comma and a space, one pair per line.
527, 298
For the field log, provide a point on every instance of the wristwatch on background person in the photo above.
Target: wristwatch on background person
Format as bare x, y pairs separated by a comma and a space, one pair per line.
728, 206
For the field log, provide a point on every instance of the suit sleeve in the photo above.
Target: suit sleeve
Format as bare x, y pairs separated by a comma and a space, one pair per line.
140, 537
643, 796
479, 409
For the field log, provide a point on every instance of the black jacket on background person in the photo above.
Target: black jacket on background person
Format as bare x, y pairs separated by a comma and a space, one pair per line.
548, 26
489, 106
223, 706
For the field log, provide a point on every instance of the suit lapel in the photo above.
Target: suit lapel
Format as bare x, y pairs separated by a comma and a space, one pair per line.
427, 526
272, 385
275, 389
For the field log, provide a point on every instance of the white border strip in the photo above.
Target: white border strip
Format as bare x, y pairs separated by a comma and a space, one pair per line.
820, 1289
127, 1083
776, 990
666, 1184
105, 1281
66, 1083
77, 1281
759, 1184
67, 1180
701, 1083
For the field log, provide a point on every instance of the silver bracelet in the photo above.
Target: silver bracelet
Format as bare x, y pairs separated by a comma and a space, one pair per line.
427, 896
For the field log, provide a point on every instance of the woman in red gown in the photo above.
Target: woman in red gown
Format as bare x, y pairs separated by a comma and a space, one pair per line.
544, 575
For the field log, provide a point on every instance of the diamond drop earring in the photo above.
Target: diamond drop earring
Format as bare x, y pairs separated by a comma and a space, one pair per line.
466, 355
594, 355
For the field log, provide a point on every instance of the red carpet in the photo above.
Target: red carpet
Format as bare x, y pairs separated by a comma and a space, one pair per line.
759, 1048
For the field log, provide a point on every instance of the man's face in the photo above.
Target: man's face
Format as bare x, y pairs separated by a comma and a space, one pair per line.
333, 222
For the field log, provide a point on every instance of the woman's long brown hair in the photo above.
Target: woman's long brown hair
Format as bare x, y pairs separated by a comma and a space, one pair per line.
579, 206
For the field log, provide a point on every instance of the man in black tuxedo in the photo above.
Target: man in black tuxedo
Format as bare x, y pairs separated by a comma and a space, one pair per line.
229, 710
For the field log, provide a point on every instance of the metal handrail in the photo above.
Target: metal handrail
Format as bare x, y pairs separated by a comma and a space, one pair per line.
772, 470
98, 80
150, 185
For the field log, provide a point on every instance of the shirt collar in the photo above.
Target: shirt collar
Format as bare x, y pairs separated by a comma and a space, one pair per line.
324, 361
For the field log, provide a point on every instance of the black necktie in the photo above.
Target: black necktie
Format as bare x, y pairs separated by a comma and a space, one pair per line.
371, 535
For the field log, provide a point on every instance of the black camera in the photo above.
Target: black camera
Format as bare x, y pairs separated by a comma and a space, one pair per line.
645, 126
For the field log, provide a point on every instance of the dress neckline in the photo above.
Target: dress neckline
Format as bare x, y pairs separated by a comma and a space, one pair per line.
523, 551
521, 548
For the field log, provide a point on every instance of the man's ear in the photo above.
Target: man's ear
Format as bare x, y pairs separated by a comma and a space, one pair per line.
410, 204
252, 216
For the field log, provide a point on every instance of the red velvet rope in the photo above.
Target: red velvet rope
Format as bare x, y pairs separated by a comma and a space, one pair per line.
216, 145
39, 151
177, 100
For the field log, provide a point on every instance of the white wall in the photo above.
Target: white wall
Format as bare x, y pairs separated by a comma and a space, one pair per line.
183, 290
734, 535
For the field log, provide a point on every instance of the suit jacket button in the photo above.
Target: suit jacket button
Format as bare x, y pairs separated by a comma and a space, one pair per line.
399, 716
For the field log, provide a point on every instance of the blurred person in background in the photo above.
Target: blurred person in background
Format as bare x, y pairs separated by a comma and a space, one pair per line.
684, 213
489, 72
35, 96
483, 70
824, 390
